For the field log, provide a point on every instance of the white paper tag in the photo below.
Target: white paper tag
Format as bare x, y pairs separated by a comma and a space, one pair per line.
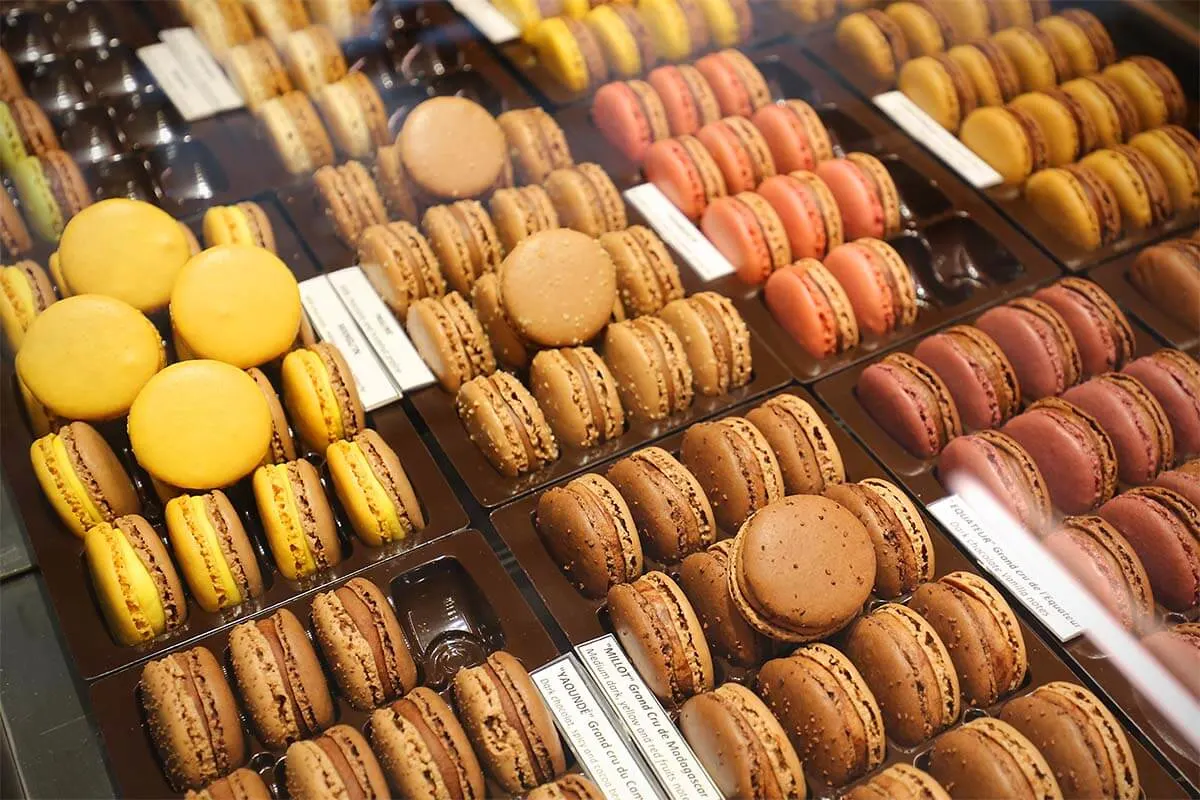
600, 750
376, 320
483, 15
333, 323
679, 232
1020, 569
189, 75
924, 129
660, 742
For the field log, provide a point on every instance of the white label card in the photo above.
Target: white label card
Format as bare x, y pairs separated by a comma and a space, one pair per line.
381, 328
1017, 567
333, 323
491, 23
679, 232
660, 742
189, 75
924, 129
599, 749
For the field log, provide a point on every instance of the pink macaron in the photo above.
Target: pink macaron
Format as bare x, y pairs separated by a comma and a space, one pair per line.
865, 193
810, 305
809, 214
878, 283
795, 134
685, 172
738, 85
739, 151
631, 117
747, 231
687, 97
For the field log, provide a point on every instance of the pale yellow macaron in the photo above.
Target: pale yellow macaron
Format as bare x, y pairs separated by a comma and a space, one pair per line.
88, 356
200, 425
127, 249
236, 303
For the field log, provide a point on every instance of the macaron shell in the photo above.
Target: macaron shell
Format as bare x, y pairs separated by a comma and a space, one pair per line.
1137, 184
1101, 331
788, 137
987, 757
880, 288
910, 402
1004, 468
1176, 153
686, 96
1107, 566
1038, 343
976, 372
628, 119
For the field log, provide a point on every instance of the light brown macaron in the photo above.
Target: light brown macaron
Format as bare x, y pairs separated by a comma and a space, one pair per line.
450, 339
734, 463
650, 364
338, 763
510, 347
716, 340
806, 451
424, 749
586, 199
647, 276
578, 395
506, 423
987, 757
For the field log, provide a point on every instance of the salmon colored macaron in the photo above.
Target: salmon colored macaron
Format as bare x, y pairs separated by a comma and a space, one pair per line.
686, 96
877, 281
808, 211
865, 194
795, 134
740, 152
685, 172
748, 232
813, 307
739, 87
631, 116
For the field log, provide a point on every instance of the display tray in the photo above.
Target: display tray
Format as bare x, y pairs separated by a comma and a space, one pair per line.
919, 478
583, 619
455, 603
1137, 28
963, 254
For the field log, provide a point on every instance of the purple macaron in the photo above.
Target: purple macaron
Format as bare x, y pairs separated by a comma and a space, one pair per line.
1164, 529
1173, 377
975, 370
1038, 343
1005, 469
909, 401
1100, 328
1185, 480
1133, 420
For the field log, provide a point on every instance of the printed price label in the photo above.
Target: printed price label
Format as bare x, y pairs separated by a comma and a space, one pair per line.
490, 22
188, 74
922, 127
598, 747
678, 232
391, 343
333, 323
660, 742
1019, 567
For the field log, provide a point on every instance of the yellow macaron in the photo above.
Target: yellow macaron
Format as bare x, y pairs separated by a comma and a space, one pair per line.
296, 518
374, 489
669, 28
243, 223
321, 396
25, 292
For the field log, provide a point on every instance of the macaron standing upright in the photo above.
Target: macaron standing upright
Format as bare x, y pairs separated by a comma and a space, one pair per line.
296, 131
14, 234
52, 191
738, 85
925, 27
242, 782
213, 551
1175, 151
807, 452
940, 86
536, 143
1065, 123
1141, 192
241, 223
679, 30
990, 70
900, 781
571, 52
1133, 419
670, 510
735, 465
25, 292
1184, 479
1008, 139
1098, 325
586, 199
647, 275
338, 761
812, 307
1003, 467
988, 757
1177, 648
875, 41
355, 115
1038, 343
313, 57
1078, 203
398, 191
587, 527
505, 422
451, 339
624, 38
704, 577
423, 748
1173, 377
1164, 528
878, 283
746, 230
631, 115
1168, 274
321, 395
975, 370
808, 212
509, 347
910, 402
865, 193
24, 130
351, 199
1107, 566
297, 519
1107, 103
374, 489
578, 394
739, 151
795, 135
1083, 38
518, 213
465, 241
1040, 61
1152, 88
82, 477
400, 265
651, 366
571, 786
685, 172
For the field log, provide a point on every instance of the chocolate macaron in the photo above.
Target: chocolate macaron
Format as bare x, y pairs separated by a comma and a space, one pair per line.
734, 463
668, 505
1100, 329
651, 367
988, 757
976, 372
424, 749
506, 424
704, 577
900, 781
807, 453
1173, 377
910, 402
338, 763
1038, 343
450, 338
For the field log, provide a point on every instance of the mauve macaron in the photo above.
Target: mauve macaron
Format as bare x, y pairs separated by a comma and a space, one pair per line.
1004, 468
807, 210
1173, 377
877, 281
1039, 344
1134, 421
909, 401
1185, 479
1178, 649
979, 376
1104, 562
1101, 331
810, 304
1164, 529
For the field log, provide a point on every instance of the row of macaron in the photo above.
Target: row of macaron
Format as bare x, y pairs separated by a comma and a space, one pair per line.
223, 25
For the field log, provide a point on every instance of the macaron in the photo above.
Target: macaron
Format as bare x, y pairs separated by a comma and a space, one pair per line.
812, 306
219, 24
374, 489
1004, 468
526, 14
740, 744
578, 395
730, 22
807, 210
450, 339
363, 644
52, 191
746, 230
1078, 203
687, 98
1152, 88
242, 782
910, 402
569, 787
988, 757
25, 292
68, 351
351, 199
1185, 480
242, 223
1008, 139
424, 749
588, 529
1141, 192
1164, 528
630, 115
1106, 102
623, 36
1071, 449
134, 580
337, 761
558, 287
980, 632
436, 134
975, 370
571, 52
939, 86
277, 18
795, 135
906, 664
295, 129
313, 57
465, 241
506, 424
686, 173
1178, 649
904, 554
1107, 566
739, 151
875, 41
969, 20
1173, 377
810, 11
82, 477
1175, 151
1099, 326
657, 627
670, 511
510, 348
24, 131
536, 143
1066, 125
14, 234
878, 283
806, 451
990, 69
865, 193
704, 577
213, 551
827, 708
1040, 61
801, 568
738, 85
678, 29
651, 366
647, 276
391, 178
297, 519
354, 114
1082, 39
736, 467
899, 782
586, 199
400, 265
1133, 419
925, 28
1168, 274
279, 679
193, 717
1038, 343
